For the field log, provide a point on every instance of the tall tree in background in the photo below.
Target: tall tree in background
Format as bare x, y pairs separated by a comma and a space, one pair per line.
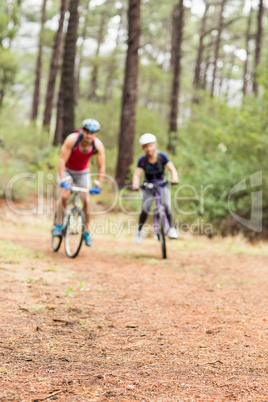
229, 76
54, 64
206, 66
174, 37
246, 77
178, 20
112, 64
38, 69
201, 47
100, 38
66, 99
79, 56
217, 46
59, 121
129, 100
258, 46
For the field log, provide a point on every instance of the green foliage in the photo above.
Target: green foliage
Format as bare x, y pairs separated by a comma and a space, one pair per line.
9, 20
8, 68
107, 114
154, 87
221, 147
25, 150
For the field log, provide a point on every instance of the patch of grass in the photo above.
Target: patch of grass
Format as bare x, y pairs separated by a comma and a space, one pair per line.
85, 322
4, 370
52, 268
238, 245
39, 254
192, 244
245, 281
29, 280
40, 379
69, 292
13, 253
37, 307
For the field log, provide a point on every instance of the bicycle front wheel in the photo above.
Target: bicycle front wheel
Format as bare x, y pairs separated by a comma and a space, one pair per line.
74, 232
161, 234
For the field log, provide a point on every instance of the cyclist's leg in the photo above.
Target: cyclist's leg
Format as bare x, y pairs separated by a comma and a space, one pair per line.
63, 198
166, 202
147, 200
83, 179
87, 209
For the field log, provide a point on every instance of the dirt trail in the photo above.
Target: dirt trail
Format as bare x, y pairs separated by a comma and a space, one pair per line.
118, 323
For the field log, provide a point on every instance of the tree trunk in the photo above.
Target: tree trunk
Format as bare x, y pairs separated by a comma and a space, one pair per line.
174, 104
67, 86
94, 78
128, 112
217, 47
113, 65
258, 47
221, 81
108, 94
54, 64
205, 70
174, 37
59, 123
199, 59
80, 56
38, 69
246, 74
229, 77
2, 90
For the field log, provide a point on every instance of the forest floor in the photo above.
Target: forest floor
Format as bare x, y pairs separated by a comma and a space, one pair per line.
119, 323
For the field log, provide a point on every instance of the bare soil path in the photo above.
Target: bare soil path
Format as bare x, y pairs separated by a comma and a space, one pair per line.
118, 323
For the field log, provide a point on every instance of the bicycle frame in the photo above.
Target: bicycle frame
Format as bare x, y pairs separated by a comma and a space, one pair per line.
159, 206
156, 190
73, 202
73, 225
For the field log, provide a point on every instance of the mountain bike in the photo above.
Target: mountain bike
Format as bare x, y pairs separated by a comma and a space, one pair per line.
73, 225
161, 225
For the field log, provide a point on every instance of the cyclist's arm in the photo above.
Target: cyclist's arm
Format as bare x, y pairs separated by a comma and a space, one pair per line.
136, 178
65, 153
173, 171
100, 161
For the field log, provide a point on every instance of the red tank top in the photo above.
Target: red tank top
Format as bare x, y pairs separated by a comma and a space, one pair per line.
78, 159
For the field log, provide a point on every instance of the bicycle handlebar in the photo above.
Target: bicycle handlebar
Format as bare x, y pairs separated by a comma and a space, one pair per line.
151, 185
75, 189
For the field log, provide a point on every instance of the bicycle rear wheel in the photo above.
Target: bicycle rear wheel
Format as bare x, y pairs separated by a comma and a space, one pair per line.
74, 232
56, 240
161, 234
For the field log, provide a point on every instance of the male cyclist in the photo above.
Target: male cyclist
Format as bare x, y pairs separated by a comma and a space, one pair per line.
75, 155
153, 164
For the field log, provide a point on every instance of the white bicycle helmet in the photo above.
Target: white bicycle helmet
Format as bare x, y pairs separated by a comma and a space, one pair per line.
91, 125
147, 138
